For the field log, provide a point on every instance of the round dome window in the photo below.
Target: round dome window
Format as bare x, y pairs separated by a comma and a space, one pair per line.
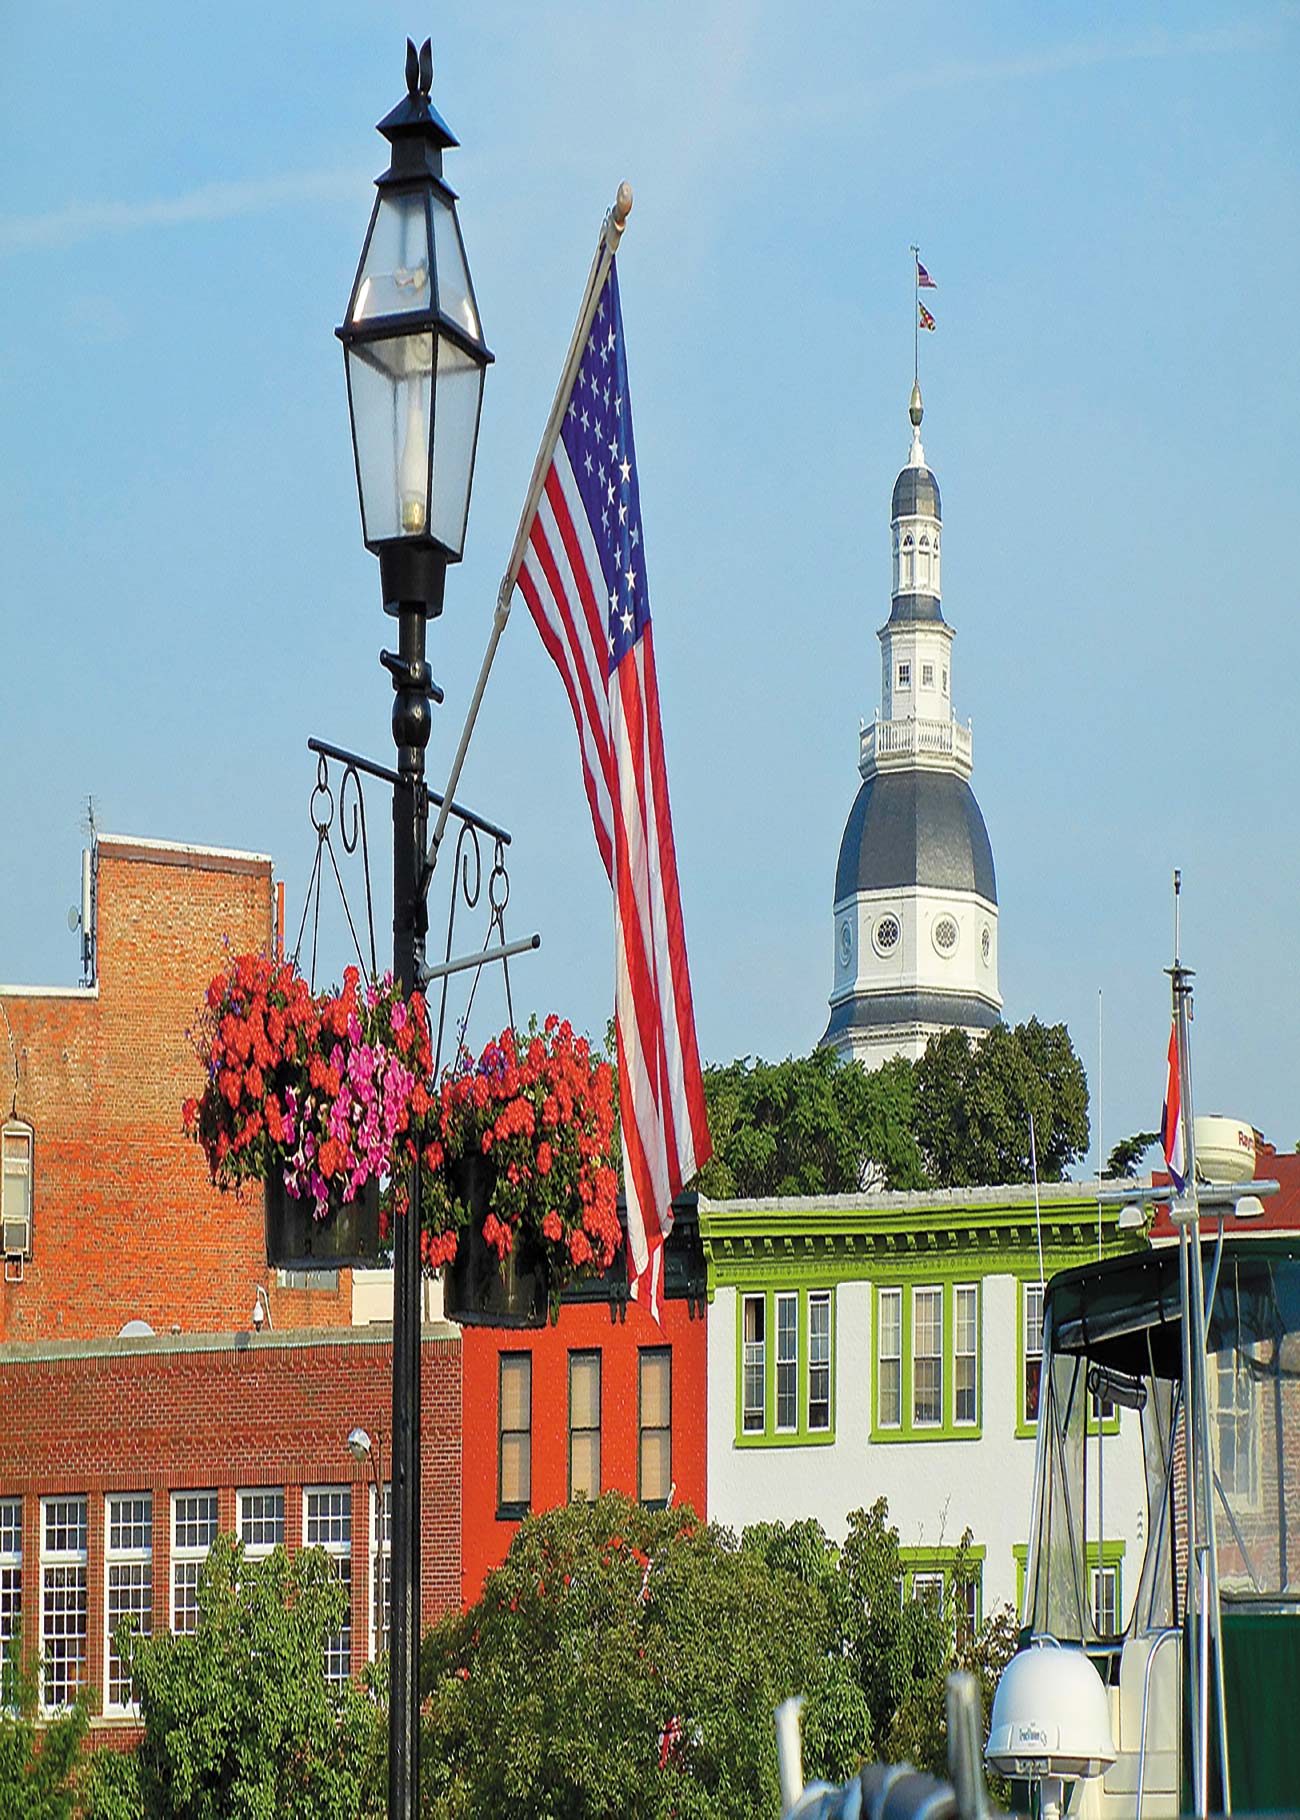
846, 942
886, 934
944, 935
986, 944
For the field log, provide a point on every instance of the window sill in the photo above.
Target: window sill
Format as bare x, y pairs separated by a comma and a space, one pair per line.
888, 1437
822, 1437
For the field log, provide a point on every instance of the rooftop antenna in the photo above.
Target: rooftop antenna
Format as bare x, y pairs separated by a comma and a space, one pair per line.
82, 916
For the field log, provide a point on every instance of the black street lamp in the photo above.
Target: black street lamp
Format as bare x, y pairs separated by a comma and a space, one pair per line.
415, 359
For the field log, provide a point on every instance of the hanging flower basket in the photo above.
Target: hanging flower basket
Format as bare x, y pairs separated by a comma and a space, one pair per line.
311, 1094
481, 1289
347, 1238
518, 1193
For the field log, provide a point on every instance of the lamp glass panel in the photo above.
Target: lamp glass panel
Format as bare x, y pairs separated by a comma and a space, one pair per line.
395, 264
455, 294
390, 386
460, 393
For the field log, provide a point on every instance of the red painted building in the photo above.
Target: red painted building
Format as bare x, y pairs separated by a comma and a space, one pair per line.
595, 1403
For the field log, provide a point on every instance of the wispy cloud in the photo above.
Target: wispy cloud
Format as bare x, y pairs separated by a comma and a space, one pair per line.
79, 221
1242, 35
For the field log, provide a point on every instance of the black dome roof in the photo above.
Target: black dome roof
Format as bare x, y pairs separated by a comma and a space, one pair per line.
915, 828
916, 493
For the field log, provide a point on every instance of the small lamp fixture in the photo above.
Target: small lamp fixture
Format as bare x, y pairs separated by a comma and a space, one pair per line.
359, 1445
415, 356
261, 1309
1131, 1218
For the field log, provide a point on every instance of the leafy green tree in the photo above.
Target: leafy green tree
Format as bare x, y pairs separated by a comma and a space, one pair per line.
974, 1101
620, 1661
37, 1767
809, 1125
238, 1717
1125, 1158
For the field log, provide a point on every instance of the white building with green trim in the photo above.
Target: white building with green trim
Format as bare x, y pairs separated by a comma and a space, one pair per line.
888, 1345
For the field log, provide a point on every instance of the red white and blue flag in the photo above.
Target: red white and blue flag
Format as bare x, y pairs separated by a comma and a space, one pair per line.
923, 278
583, 576
1171, 1118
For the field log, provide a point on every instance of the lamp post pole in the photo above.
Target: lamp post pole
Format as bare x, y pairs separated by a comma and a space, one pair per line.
411, 718
415, 359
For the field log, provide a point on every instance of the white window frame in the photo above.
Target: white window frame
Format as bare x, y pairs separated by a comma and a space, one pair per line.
188, 1556
785, 1308
380, 1609
130, 1562
252, 1518
934, 1291
1031, 1294
1233, 1395
64, 1569
753, 1367
1106, 1575
819, 1344
328, 1525
905, 674
928, 1582
17, 1171
927, 676
960, 1353
11, 1587
894, 1298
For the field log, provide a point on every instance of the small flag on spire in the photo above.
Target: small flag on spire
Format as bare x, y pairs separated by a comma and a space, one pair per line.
926, 319
1171, 1118
924, 279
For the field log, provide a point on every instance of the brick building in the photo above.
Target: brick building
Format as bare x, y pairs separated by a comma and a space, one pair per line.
124, 1452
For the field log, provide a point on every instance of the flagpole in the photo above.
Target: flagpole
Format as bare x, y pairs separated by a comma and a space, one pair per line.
611, 234
916, 317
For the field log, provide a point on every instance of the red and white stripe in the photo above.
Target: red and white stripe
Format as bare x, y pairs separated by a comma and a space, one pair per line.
1171, 1117
620, 738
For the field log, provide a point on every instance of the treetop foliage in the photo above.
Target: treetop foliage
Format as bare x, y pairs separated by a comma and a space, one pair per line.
959, 1117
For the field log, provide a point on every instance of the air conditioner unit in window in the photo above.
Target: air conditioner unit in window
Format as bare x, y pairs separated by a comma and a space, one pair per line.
17, 1236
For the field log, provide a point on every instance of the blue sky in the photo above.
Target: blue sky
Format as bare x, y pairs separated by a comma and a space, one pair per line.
1107, 198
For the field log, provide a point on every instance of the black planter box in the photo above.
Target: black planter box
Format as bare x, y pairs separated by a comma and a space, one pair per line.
346, 1239
479, 1290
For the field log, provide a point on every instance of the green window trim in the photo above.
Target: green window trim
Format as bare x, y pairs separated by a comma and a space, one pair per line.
944, 1560
1108, 1554
1026, 1430
948, 1428
802, 1434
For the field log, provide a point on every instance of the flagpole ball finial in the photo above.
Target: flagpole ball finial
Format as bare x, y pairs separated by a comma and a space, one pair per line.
915, 409
623, 203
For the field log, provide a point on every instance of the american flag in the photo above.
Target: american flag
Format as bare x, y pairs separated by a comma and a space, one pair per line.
923, 278
583, 576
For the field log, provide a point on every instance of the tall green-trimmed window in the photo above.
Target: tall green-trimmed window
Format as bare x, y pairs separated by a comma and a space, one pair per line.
787, 1363
819, 1360
889, 1358
1033, 1361
785, 1366
754, 1364
927, 1358
965, 1355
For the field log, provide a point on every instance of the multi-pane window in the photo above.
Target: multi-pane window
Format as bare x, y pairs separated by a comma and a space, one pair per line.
655, 1422
63, 1601
927, 1358
128, 1585
889, 1358
381, 1570
787, 1363
927, 1589
11, 1588
194, 1530
819, 1360
904, 676
1105, 1601
261, 1520
754, 1365
327, 1524
1236, 1428
927, 676
1033, 1325
967, 1603
584, 1425
965, 1354
16, 1188
515, 1436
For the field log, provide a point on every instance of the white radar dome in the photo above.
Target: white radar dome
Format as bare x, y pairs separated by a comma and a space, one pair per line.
1225, 1149
1050, 1715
